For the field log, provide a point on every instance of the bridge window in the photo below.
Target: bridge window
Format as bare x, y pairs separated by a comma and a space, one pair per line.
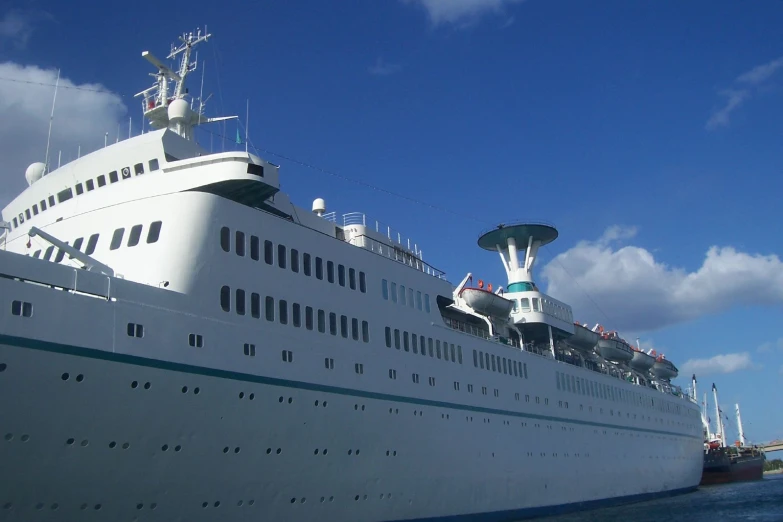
79, 190
330, 271
154, 232
91, 244
64, 195
362, 283
306, 260
341, 275
240, 243
268, 253
294, 260
113, 178
135, 235
116, 239
101, 181
385, 289
319, 268
281, 256
255, 248
138, 169
90, 184
153, 164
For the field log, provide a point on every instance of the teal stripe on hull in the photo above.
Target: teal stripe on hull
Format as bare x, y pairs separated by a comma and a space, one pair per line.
46, 346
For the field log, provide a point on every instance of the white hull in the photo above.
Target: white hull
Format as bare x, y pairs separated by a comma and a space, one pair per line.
458, 453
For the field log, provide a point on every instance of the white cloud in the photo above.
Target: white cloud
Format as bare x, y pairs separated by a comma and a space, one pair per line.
83, 113
637, 293
723, 363
734, 98
461, 12
382, 68
768, 346
761, 73
720, 117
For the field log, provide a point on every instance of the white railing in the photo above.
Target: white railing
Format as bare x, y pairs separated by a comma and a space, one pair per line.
359, 218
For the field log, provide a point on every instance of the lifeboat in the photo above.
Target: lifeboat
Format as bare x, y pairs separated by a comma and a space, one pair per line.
641, 362
487, 303
614, 349
583, 339
664, 369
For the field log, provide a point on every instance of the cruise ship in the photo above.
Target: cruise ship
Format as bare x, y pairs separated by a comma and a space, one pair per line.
179, 341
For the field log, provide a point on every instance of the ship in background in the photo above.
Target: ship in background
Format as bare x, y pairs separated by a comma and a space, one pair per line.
724, 463
179, 341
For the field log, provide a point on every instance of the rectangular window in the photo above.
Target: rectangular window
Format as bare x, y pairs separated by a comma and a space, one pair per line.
365, 331
415, 343
79, 189
51, 201
385, 289
116, 239
240, 302
255, 248
101, 181
330, 271
410, 297
138, 169
475, 358
268, 253
418, 300
48, 253
240, 243
306, 264
321, 321
90, 184
341, 275
35, 209
427, 303
282, 310
296, 309
281, 256
344, 326
388, 337
406, 342
355, 329
269, 308
60, 255
153, 163
362, 283
319, 268
113, 178
352, 278
437, 348
393, 292
250, 350
43, 205
294, 260
430, 344
64, 195
309, 317
255, 305
225, 298
329, 363
154, 232
397, 338
77, 245
255, 170
402, 295
134, 236
333, 323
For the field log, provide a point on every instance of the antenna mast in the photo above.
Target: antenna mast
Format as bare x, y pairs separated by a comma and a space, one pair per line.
51, 119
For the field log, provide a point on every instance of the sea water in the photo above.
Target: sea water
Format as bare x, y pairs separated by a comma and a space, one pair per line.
759, 501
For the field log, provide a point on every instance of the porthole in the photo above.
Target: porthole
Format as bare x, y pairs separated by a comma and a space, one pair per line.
112, 444
68, 442
125, 445
147, 386
3, 366
65, 376
184, 389
134, 385
79, 378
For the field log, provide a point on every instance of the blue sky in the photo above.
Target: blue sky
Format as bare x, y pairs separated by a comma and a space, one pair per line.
646, 131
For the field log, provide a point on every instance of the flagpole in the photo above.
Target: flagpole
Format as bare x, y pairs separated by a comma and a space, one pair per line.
247, 123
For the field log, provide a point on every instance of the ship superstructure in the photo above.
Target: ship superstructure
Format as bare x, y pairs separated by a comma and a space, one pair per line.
181, 342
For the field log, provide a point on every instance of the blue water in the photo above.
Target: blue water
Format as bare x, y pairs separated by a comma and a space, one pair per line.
760, 501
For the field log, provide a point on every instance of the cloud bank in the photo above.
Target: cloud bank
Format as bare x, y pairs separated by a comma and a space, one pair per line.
719, 364
83, 114
640, 294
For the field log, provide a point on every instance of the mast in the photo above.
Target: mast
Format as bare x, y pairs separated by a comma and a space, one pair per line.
739, 427
719, 421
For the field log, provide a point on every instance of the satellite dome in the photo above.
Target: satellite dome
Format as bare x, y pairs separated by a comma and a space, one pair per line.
319, 206
178, 111
34, 172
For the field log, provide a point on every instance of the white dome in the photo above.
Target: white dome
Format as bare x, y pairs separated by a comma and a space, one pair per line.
319, 206
178, 111
34, 172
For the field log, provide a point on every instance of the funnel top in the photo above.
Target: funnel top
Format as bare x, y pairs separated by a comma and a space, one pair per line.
520, 232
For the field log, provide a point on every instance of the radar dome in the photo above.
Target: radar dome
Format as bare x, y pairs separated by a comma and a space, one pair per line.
178, 110
34, 172
319, 206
